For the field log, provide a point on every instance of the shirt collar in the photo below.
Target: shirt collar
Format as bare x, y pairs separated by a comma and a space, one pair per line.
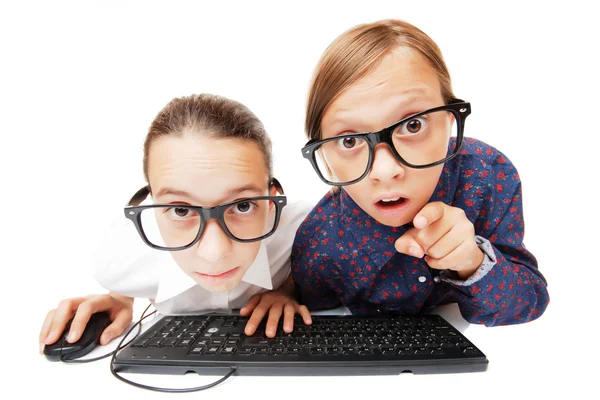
173, 281
259, 273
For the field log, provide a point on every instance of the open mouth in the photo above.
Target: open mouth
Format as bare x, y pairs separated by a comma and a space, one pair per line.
392, 207
390, 203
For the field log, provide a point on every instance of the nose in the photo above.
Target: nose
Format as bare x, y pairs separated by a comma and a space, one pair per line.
214, 245
385, 166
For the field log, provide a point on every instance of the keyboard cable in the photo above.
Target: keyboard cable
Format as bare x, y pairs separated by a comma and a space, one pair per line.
120, 346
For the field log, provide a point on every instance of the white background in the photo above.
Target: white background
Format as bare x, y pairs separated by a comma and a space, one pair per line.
80, 83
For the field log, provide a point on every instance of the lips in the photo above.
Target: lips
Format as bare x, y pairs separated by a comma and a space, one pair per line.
391, 208
216, 275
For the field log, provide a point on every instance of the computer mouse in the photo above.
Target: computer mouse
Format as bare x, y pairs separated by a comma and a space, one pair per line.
89, 339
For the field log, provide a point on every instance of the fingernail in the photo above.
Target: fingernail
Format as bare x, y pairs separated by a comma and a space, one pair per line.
421, 221
288, 327
271, 331
72, 336
413, 251
107, 338
52, 335
41, 348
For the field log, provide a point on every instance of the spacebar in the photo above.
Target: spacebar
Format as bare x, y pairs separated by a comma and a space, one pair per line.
255, 341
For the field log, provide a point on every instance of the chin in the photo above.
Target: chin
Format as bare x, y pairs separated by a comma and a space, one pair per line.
391, 221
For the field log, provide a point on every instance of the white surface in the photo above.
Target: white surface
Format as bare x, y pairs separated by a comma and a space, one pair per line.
80, 83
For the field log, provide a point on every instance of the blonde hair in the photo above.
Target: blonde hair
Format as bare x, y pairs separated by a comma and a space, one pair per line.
356, 52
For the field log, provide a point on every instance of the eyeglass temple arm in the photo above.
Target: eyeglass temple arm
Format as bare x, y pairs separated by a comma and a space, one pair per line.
278, 187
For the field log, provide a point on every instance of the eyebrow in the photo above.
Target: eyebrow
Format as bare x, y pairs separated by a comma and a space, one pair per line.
231, 193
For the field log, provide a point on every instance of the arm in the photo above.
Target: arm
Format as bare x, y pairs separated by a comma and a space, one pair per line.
508, 287
311, 285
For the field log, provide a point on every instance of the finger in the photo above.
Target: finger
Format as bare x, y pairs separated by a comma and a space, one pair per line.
458, 258
288, 317
62, 315
80, 320
303, 311
46, 328
92, 305
117, 327
252, 303
429, 214
273, 320
407, 244
429, 237
257, 315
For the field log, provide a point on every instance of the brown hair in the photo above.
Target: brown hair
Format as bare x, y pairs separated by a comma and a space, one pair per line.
356, 52
210, 115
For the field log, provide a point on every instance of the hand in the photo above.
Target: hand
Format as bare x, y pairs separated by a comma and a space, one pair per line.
275, 302
445, 236
119, 307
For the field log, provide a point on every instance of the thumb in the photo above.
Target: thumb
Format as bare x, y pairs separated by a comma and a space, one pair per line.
117, 327
407, 244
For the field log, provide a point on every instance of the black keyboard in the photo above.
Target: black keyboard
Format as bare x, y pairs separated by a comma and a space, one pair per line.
332, 345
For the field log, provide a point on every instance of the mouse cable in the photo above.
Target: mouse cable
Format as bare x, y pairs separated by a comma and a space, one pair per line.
153, 388
119, 347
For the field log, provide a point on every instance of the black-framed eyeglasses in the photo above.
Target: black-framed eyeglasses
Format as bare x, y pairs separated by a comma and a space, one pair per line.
173, 227
415, 141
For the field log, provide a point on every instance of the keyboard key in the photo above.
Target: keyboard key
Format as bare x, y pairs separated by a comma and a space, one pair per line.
277, 351
154, 342
168, 342
212, 350
264, 350
184, 343
198, 350
217, 342
228, 351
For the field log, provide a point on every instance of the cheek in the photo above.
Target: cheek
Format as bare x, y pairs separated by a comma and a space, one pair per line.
361, 193
245, 254
424, 182
183, 260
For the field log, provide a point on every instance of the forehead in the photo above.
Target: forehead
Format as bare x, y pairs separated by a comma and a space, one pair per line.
403, 78
205, 167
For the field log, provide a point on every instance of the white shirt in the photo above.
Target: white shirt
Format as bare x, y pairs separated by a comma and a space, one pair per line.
127, 266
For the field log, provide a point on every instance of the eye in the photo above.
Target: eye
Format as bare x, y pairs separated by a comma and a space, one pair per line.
179, 212
244, 207
412, 127
349, 143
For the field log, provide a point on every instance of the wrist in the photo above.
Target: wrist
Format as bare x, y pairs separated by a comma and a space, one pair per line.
474, 264
288, 287
119, 297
